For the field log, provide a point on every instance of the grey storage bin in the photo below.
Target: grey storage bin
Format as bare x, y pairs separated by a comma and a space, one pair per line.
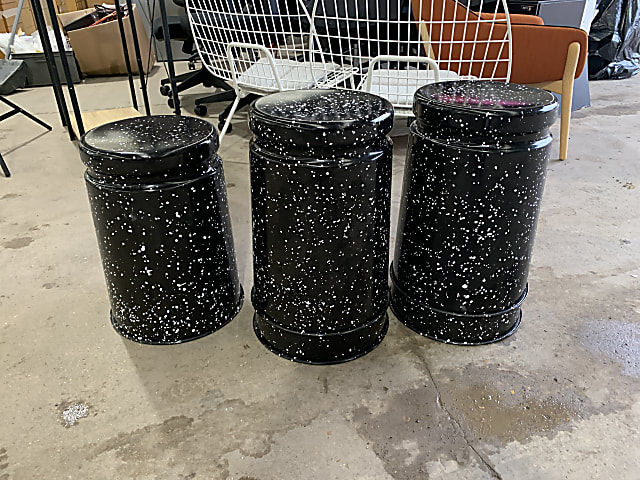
37, 71
13, 75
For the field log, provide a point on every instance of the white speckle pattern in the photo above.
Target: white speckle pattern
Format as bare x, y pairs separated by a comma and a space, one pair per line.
73, 413
158, 198
473, 182
320, 192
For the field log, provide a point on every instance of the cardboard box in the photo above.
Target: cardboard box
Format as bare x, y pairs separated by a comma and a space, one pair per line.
65, 6
27, 22
8, 11
98, 49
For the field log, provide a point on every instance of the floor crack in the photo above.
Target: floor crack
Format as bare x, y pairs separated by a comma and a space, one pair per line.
485, 461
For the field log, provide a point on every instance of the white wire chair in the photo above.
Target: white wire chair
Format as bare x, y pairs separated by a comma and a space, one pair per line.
397, 46
262, 46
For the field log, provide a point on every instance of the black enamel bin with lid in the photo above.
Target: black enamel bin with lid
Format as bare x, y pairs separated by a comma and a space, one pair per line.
159, 203
473, 182
320, 199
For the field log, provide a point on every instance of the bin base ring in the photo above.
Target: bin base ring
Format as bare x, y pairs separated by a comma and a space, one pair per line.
126, 335
320, 349
454, 327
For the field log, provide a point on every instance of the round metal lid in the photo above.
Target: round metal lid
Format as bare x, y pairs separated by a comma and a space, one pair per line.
150, 145
321, 118
485, 106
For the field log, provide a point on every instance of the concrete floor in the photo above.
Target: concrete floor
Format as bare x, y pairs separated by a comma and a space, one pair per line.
560, 399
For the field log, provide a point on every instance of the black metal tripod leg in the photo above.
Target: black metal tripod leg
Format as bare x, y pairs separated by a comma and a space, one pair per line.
18, 109
4, 167
167, 46
125, 52
65, 65
51, 66
136, 48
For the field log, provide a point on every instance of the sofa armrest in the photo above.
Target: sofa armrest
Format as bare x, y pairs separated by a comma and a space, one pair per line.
514, 18
539, 53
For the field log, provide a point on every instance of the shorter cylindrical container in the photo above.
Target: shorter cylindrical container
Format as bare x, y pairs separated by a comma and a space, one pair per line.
473, 182
320, 198
159, 203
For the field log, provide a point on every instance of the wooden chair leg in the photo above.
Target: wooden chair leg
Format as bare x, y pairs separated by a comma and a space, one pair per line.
567, 96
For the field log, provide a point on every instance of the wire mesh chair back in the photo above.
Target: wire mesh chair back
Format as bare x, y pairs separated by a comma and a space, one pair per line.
262, 45
396, 46
470, 39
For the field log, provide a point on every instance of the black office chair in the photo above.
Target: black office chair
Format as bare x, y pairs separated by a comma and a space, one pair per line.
179, 29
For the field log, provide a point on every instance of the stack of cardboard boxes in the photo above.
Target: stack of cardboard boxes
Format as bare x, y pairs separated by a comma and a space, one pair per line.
8, 12
9, 9
98, 48
27, 22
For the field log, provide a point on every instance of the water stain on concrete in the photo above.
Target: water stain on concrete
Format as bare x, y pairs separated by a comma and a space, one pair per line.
615, 339
4, 464
608, 110
496, 405
145, 443
19, 242
412, 431
7, 196
211, 399
487, 415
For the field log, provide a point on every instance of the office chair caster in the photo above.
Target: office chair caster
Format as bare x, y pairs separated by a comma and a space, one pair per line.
165, 90
200, 110
171, 103
192, 65
221, 126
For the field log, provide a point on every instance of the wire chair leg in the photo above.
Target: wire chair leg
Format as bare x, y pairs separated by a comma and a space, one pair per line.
229, 117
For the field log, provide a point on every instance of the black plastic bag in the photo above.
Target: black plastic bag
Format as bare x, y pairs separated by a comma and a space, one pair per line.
614, 41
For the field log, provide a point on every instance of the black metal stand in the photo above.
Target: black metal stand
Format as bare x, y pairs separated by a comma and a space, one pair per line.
167, 46
125, 51
55, 77
53, 70
65, 65
15, 110
136, 47
127, 62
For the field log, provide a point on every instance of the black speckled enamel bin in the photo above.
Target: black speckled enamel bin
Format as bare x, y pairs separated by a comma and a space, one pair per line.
159, 203
473, 181
320, 197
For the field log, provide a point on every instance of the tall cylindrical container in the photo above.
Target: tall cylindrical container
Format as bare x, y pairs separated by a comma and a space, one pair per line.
159, 203
320, 196
473, 182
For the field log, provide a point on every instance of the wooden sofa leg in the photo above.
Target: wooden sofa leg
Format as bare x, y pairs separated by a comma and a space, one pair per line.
567, 96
